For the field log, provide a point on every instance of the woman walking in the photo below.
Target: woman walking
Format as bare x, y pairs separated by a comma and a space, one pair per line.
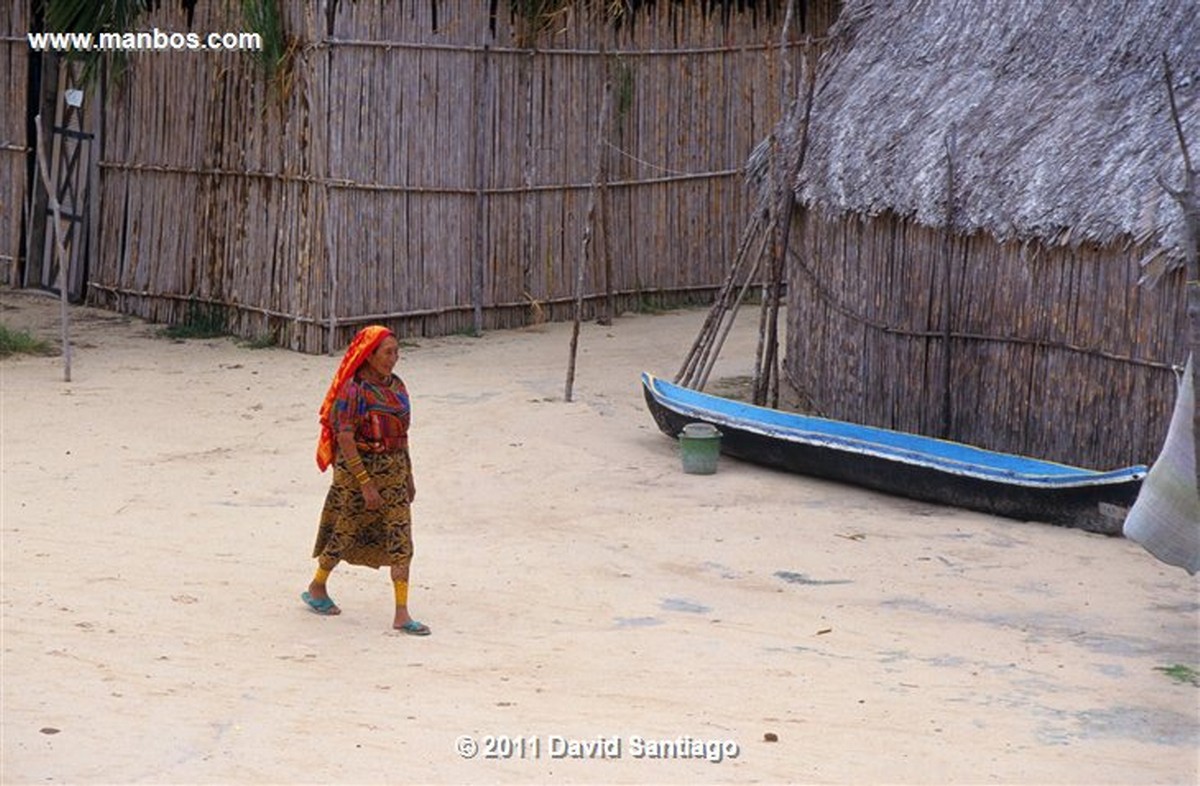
364, 436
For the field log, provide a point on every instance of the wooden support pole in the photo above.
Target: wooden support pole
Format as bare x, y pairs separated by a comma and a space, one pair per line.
93, 190
327, 210
702, 347
951, 142
605, 208
1189, 202
60, 250
482, 136
585, 250
719, 342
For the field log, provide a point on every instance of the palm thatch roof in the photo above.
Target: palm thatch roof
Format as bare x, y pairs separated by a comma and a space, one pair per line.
1059, 109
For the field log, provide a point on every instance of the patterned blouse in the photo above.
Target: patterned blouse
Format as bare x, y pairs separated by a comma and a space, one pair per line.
377, 414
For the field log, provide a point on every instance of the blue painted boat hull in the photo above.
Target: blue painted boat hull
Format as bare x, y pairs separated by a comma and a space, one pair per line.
908, 465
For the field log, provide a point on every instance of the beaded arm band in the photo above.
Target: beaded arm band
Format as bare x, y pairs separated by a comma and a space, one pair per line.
360, 472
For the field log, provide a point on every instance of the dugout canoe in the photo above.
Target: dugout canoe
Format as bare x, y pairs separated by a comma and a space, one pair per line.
908, 465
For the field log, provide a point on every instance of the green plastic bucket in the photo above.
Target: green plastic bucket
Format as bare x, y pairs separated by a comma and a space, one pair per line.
700, 445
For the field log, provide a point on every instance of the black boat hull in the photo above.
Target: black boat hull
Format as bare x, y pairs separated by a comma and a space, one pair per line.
1095, 508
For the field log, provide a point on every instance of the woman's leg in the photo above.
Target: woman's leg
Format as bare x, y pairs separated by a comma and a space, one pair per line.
316, 588
332, 539
400, 585
398, 522
403, 620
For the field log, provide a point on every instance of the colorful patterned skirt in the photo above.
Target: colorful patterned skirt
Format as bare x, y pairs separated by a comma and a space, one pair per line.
374, 538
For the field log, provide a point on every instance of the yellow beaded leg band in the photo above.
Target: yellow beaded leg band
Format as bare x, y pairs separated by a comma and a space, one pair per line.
401, 593
321, 575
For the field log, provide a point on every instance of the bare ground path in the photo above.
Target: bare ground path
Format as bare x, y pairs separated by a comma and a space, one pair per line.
159, 510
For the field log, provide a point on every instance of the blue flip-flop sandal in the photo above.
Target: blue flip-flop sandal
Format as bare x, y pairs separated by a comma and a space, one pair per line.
414, 628
323, 606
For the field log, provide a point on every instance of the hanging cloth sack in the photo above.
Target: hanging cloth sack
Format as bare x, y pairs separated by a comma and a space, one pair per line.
1165, 519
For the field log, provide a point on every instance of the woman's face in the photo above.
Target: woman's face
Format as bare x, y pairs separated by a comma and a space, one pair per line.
384, 358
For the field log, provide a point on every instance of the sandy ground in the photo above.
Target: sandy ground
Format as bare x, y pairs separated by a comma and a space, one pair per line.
158, 518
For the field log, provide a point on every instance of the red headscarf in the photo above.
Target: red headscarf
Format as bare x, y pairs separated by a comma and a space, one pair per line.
364, 343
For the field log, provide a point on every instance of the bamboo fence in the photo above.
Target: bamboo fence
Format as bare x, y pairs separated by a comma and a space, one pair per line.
14, 140
425, 167
1040, 339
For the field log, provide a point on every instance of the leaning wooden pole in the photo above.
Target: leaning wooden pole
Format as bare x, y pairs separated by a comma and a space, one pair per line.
1189, 202
766, 381
766, 370
706, 347
482, 100
60, 250
766, 390
610, 308
731, 315
588, 230
605, 209
951, 143
326, 203
702, 346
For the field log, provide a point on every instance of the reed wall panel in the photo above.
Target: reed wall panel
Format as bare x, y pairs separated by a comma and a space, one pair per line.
406, 159
1041, 341
14, 143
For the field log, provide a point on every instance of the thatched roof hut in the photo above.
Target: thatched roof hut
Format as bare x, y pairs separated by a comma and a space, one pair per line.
976, 190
